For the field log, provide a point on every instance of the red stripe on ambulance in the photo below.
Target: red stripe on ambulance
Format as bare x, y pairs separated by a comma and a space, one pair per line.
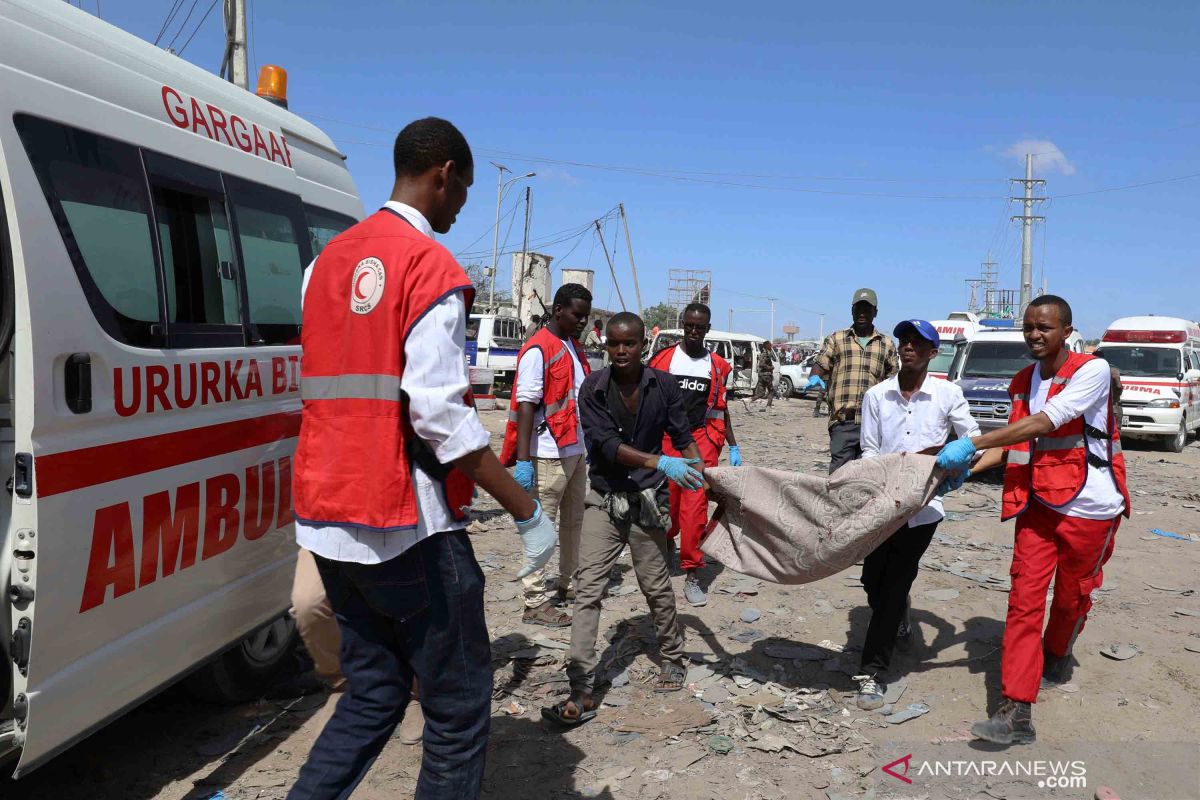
197, 521
90, 466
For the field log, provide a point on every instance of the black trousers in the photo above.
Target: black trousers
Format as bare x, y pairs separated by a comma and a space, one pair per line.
888, 575
844, 446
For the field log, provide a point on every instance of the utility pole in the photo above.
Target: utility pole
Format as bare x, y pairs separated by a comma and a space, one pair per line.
637, 289
1027, 220
611, 271
821, 335
771, 335
234, 63
524, 257
496, 236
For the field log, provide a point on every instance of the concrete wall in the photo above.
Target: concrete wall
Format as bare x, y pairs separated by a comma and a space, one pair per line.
586, 277
531, 275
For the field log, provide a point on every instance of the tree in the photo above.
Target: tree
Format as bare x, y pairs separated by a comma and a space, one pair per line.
478, 273
662, 315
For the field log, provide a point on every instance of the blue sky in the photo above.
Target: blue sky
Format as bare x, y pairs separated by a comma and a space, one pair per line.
814, 109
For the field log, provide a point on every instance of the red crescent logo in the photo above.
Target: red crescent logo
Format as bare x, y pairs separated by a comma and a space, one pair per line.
358, 292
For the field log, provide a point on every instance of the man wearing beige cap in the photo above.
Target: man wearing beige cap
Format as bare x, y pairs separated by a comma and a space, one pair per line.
851, 361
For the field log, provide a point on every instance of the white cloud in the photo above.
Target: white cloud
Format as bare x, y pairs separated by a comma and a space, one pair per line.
1048, 158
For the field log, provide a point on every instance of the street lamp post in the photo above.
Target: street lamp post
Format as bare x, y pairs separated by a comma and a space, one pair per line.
501, 184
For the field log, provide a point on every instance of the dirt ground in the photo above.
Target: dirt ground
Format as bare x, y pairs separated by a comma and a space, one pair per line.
770, 709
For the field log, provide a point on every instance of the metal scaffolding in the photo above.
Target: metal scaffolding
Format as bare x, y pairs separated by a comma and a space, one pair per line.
688, 286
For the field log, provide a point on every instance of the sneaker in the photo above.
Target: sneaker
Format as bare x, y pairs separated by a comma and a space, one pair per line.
1011, 724
692, 591
870, 693
412, 727
546, 614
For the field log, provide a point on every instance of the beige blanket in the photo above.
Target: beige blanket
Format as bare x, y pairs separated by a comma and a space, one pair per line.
790, 527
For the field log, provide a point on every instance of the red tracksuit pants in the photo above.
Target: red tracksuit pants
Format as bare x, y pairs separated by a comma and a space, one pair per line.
1072, 551
689, 510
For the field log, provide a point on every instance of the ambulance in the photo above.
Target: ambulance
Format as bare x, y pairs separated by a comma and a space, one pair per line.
154, 225
953, 331
1159, 362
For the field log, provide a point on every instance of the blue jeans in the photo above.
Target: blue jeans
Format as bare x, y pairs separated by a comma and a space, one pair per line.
419, 614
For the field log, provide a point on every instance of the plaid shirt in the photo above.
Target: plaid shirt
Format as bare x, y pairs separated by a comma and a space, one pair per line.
852, 370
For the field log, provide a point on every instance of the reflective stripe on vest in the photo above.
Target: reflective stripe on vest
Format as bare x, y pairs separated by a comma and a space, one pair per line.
713, 413
351, 387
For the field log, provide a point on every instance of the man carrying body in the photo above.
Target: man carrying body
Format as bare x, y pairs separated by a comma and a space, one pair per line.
1064, 481
544, 442
701, 376
626, 410
907, 413
852, 361
389, 452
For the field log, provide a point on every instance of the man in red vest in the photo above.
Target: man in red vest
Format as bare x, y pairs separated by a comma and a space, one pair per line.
702, 376
389, 453
1064, 482
543, 442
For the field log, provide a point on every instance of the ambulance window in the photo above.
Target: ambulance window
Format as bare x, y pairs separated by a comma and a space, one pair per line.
97, 192
197, 255
275, 249
323, 226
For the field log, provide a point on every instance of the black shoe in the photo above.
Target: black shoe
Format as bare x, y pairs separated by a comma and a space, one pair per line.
1054, 668
1011, 724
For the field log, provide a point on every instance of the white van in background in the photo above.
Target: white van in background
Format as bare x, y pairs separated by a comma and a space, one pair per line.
1159, 362
985, 365
743, 351
958, 327
154, 225
493, 342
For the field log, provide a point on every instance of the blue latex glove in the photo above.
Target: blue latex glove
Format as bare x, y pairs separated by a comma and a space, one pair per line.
814, 382
956, 456
523, 474
539, 538
679, 472
953, 482
735, 456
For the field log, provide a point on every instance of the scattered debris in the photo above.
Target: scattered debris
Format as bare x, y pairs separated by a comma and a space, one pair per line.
913, 711
1120, 652
1170, 535
751, 615
666, 721
719, 743
940, 594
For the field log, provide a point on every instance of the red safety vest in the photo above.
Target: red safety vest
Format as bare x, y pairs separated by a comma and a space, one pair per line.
715, 415
1054, 467
558, 393
356, 454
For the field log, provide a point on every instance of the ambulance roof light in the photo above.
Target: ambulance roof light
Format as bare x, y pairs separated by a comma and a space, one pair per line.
1146, 337
998, 323
272, 85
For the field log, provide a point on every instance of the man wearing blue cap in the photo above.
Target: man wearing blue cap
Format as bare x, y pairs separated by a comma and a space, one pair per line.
907, 413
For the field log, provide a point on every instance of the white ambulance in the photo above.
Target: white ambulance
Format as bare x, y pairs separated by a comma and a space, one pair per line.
1159, 362
154, 225
953, 331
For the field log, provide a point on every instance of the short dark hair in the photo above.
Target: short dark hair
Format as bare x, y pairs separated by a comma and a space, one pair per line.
1064, 308
626, 318
571, 291
703, 309
430, 142
596, 322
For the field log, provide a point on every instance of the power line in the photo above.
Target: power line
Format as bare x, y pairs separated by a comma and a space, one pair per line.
183, 24
1105, 190
178, 4
199, 25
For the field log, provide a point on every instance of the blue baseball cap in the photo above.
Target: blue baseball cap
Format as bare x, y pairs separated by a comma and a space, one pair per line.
923, 328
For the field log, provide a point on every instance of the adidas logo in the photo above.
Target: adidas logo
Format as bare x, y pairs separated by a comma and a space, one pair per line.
693, 384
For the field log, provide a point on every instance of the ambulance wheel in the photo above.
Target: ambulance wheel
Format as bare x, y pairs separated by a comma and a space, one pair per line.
1179, 441
785, 387
241, 673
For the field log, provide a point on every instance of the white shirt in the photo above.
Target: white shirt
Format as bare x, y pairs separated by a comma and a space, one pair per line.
531, 388
891, 424
1085, 395
695, 379
436, 380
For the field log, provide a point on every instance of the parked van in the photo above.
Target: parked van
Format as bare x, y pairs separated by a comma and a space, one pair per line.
493, 342
986, 363
956, 328
155, 222
743, 351
1159, 362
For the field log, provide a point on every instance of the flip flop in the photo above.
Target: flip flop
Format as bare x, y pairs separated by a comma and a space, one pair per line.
671, 673
555, 714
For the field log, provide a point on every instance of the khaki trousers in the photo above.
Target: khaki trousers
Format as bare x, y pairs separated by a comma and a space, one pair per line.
600, 545
314, 618
560, 485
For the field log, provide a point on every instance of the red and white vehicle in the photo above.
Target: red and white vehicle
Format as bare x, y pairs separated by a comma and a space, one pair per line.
959, 327
1159, 362
155, 222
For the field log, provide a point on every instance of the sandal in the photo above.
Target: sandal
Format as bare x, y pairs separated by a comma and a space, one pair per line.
546, 614
670, 679
557, 714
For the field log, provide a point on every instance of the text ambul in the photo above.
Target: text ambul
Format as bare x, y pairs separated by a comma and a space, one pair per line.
197, 521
